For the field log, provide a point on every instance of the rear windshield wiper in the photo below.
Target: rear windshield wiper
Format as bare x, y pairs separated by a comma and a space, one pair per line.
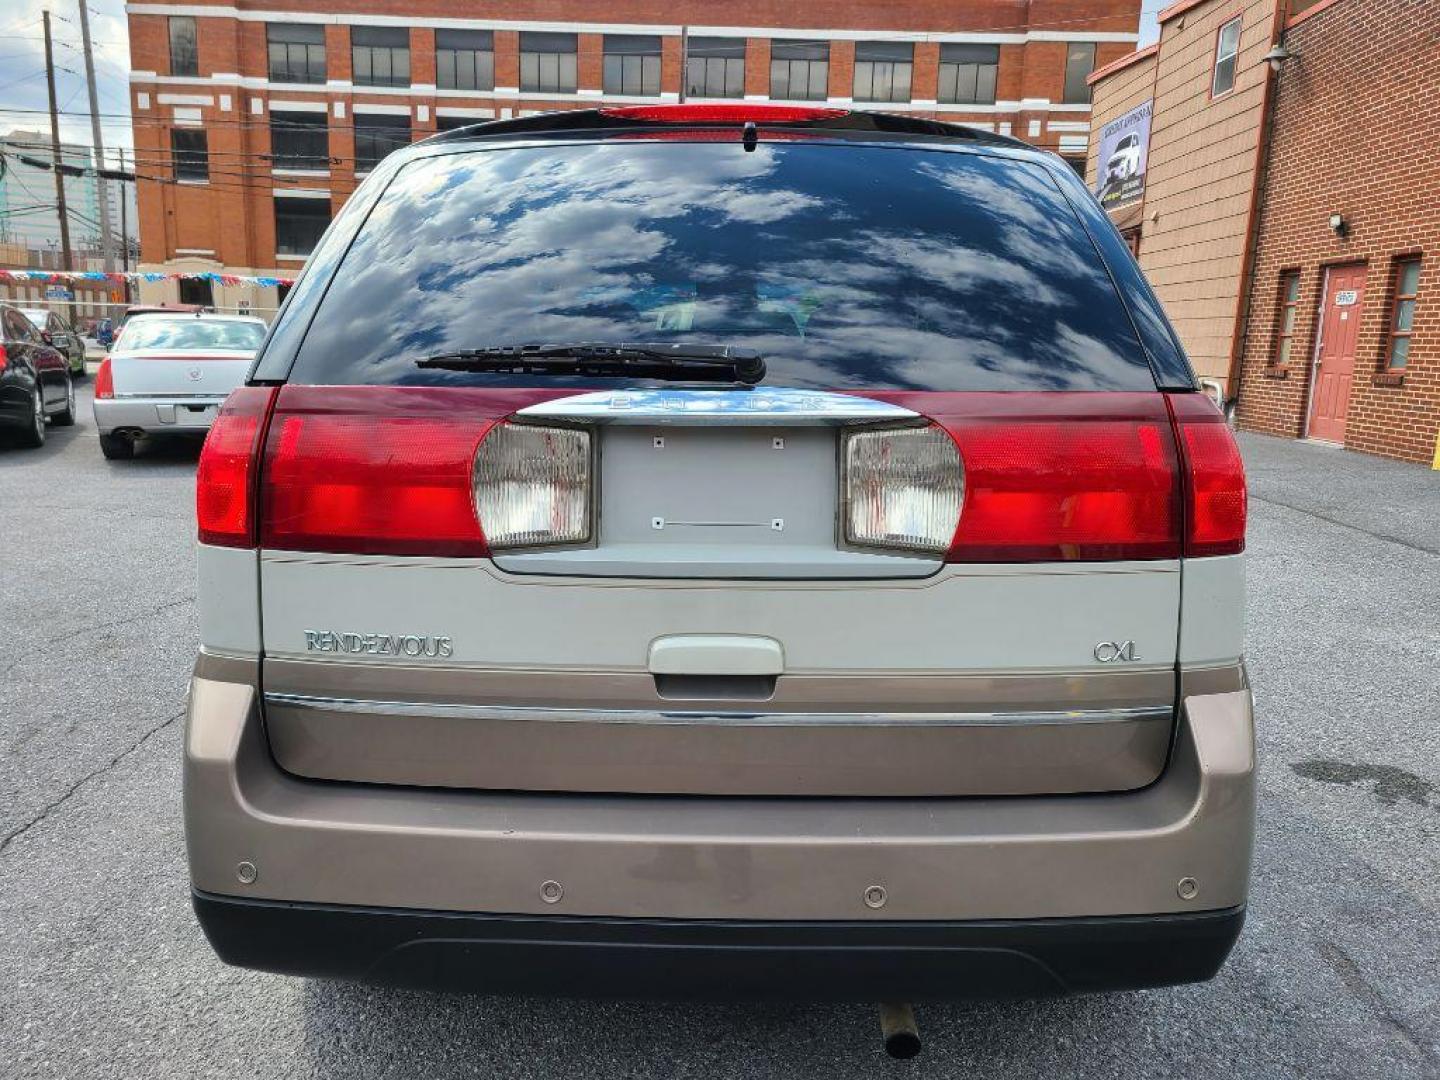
680, 361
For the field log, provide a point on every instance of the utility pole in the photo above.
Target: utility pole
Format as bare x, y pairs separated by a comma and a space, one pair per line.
107, 247
684, 60
124, 227
124, 218
65, 258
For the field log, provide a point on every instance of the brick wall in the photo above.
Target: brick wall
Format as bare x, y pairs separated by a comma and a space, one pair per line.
233, 215
1351, 137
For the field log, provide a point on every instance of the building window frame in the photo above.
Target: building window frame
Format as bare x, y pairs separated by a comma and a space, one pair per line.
295, 52
804, 61
305, 228
465, 59
1287, 313
378, 135
967, 67
197, 291
631, 65
380, 56
1223, 58
1406, 299
1079, 66
549, 62
190, 163
884, 71
715, 67
299, 140
184, 55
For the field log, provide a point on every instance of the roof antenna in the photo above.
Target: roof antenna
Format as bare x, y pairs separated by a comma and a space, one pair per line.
749, 136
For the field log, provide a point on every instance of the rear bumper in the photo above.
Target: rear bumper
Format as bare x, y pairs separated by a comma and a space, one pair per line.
1019, 865
719, 960
157, 415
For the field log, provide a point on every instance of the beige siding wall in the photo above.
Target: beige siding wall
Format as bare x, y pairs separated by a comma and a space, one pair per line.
1201, 170
1201, 175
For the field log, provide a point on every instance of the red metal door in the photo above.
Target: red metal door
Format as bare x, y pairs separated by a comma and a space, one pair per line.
1335, 364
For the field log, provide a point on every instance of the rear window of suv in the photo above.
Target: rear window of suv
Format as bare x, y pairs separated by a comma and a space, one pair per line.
847, 266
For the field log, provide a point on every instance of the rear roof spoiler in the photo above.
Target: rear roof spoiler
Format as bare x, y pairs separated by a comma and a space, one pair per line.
736, 115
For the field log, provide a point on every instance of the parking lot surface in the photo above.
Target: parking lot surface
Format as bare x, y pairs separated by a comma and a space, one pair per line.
104, 973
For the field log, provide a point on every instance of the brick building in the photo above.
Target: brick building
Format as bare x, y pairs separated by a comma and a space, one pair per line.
253, 123
1351, 206
1286, 211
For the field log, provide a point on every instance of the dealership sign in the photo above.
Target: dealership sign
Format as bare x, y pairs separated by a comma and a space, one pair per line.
1124, 149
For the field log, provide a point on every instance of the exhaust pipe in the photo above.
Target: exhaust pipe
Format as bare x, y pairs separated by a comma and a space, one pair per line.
898, 1029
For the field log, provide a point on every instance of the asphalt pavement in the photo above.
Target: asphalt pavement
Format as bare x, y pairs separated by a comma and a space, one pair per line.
104, 973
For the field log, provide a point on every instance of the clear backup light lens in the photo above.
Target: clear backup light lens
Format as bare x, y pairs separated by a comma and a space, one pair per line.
532, 486
903, 489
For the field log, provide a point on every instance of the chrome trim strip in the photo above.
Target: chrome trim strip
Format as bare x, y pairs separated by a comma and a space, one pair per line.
737, 717
760, 406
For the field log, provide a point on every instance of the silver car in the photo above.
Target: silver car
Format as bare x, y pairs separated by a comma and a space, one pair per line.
168, 374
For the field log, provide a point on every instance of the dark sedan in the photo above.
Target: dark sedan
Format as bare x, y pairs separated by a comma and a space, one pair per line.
35, 383
59, 334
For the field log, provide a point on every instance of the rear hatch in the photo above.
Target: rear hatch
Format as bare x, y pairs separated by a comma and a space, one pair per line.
159, 355
178, 373
934, 550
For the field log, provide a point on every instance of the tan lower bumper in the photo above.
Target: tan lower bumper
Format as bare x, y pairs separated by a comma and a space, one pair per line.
720, 858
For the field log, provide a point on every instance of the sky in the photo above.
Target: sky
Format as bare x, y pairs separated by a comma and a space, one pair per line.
22, 66
23, 100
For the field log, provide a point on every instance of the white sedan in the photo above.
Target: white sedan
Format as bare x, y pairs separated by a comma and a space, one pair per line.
169, 374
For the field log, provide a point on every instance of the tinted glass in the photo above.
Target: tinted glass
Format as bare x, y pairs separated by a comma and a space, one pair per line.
847, 266
184, 52
149, 332
1079, 63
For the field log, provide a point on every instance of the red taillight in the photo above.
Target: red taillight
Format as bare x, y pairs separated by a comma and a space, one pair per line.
4, 357
723, 114
372, 470
1215, 498
1070, 489
1060, 476
225, 480
104, 381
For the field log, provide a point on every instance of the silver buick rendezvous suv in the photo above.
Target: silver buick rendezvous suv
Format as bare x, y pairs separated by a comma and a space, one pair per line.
728, 551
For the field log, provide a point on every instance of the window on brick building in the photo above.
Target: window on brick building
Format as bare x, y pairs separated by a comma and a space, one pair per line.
1227, 54
299, 140
1285, 316
800, 70
297, 52
380, 55
197, 291
450, 123
465, 59
1079, 63
883, 70
190, 154
967, 73
299, 224
547, 62
632, 65
378, 135
715, 67
1402, 319
184, 46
